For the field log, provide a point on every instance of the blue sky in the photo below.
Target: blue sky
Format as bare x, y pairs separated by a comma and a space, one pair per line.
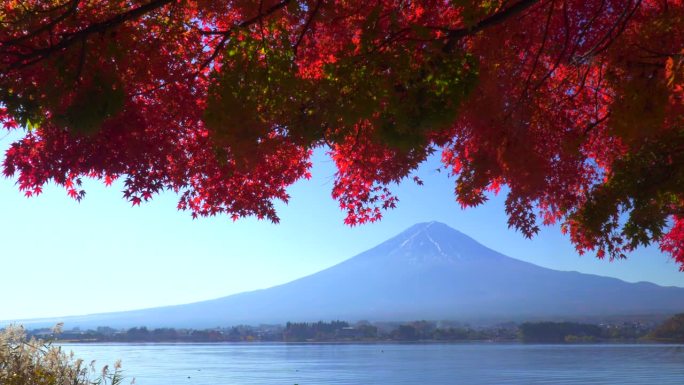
60, 257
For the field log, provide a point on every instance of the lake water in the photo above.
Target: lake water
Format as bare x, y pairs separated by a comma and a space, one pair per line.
318, 364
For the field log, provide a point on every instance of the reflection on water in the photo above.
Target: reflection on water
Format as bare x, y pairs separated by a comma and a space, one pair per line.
317, 364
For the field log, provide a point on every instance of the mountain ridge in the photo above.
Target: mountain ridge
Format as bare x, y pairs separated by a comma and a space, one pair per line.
428, 271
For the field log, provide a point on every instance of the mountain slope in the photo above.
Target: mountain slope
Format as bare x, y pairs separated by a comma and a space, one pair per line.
429, 271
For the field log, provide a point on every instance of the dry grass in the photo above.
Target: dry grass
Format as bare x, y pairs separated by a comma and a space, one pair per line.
31, 361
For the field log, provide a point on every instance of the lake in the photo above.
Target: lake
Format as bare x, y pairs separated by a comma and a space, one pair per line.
355, 364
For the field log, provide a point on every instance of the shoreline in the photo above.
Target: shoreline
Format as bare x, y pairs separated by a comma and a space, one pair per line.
426, 342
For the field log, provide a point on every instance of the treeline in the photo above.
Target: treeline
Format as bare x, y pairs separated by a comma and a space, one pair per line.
428, 331
672, 330
560, 332
532, 332
143, 334
555, 332
328, 331
291, 332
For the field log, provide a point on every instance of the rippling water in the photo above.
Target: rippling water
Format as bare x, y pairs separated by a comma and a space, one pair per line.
225, 364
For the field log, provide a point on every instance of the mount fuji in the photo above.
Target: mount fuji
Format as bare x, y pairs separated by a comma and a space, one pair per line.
429, 271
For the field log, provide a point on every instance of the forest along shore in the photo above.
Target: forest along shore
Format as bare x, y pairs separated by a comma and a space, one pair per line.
672, 330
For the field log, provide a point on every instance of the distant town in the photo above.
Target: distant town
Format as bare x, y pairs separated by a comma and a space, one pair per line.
671, 330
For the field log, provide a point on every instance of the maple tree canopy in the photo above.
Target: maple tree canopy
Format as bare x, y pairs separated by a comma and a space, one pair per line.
575, 105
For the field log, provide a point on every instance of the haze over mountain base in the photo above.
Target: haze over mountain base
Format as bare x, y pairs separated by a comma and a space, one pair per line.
429, 271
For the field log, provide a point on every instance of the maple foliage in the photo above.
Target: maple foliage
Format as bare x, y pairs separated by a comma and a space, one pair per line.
575, 106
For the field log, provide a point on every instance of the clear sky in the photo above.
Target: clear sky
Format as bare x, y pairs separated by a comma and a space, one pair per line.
59, 257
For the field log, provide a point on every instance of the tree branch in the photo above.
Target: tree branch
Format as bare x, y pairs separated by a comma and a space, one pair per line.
226, 34
72, 38
312, 15
454, 35
70, 11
